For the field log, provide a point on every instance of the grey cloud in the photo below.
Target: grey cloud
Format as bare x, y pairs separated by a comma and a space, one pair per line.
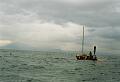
17, 16
91, 13
107, 38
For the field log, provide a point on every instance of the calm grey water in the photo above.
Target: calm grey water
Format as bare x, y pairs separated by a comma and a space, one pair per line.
31, 66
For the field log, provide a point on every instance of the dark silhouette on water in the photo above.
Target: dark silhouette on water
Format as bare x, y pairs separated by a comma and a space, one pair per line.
94, 50
85, 56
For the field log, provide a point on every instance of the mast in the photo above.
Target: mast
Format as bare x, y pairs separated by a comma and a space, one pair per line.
83, 42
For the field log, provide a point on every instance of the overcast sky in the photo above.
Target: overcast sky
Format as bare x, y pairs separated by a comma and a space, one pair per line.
57, 24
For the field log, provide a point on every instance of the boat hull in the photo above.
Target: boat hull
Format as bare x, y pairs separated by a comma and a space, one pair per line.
86, 58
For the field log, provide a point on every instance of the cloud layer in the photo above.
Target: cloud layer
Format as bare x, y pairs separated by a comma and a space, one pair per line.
52, 24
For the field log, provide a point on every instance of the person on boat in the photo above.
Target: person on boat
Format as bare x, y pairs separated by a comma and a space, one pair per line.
94, 56
90, 53
94, 49
91, 56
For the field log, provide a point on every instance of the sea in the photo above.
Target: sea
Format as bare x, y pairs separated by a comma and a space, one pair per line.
56, 66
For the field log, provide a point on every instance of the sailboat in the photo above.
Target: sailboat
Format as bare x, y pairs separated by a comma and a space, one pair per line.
84, 56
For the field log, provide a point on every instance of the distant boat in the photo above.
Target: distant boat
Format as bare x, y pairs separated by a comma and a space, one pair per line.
84, 56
